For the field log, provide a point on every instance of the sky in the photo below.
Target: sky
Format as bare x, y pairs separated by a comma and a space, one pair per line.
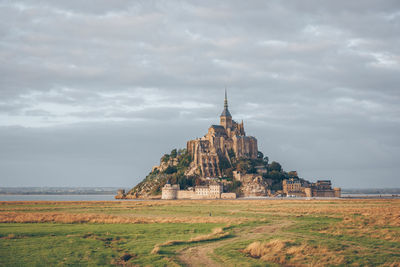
93, 93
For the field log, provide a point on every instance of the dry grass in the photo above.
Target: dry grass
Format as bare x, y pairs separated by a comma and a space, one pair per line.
363, 226
393, 264
15, 217
217, 233
286, 252
327, 207
291, 207
375, 222
155, 250
375, 217
366, 219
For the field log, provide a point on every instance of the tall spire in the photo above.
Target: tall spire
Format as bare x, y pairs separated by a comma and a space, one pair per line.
226, 101
226, 112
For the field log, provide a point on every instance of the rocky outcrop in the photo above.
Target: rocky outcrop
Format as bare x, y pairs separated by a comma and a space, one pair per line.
172, 167
120, 194
254, 187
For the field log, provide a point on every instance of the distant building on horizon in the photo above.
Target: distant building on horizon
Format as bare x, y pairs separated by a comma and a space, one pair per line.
300, 188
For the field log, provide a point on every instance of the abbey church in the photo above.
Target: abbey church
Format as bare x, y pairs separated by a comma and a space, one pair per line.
221, 140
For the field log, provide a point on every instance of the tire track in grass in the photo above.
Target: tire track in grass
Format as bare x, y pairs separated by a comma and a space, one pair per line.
201, 255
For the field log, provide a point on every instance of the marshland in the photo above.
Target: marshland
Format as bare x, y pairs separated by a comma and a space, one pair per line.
332, 232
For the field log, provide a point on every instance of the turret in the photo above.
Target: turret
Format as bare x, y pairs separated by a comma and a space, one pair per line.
226, 117
240, 128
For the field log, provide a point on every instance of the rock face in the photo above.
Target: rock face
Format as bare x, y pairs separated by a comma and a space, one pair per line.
120, 194
255, 187
220, 142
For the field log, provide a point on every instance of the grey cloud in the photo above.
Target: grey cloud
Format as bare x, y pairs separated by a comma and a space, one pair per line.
316, 82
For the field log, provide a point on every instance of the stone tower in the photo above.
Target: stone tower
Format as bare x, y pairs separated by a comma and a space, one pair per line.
226, 117
170, 191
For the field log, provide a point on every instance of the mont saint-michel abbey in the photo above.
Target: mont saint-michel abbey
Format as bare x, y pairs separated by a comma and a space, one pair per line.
226, 147
220, 141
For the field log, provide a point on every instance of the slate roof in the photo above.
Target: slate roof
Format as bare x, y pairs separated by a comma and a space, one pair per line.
217, 126
226, 113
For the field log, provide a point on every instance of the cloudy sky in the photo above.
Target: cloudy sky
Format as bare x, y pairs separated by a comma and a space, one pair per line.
92, 93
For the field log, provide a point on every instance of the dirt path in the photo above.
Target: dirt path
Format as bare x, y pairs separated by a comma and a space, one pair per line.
200, 255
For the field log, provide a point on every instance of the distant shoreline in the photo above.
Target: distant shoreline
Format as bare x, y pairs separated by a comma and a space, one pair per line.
55, 191
58, 194
110, 197
56, 197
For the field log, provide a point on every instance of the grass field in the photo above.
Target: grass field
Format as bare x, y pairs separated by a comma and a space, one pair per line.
201, 233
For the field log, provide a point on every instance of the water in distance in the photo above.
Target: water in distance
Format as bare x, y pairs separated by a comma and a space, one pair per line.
77, 197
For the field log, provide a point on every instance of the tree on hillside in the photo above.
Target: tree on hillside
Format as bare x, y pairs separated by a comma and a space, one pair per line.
275, 166
243, 165
223, 163
170, 170
165, 158
174, 153
184, 161
234, 186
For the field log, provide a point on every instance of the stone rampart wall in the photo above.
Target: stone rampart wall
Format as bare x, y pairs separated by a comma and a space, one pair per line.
185, 194
323, 193
228, 195
297, 194
338, 191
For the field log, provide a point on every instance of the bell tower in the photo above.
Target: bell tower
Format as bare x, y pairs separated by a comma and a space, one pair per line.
226, 117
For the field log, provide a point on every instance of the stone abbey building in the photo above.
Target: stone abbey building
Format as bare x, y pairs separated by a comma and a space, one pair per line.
206, 152
222, 143
227, 137
224, 148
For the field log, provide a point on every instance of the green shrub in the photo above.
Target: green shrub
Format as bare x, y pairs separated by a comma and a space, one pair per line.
170, 170
174, 153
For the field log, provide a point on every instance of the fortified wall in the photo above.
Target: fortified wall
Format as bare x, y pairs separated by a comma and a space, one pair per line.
212, 191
